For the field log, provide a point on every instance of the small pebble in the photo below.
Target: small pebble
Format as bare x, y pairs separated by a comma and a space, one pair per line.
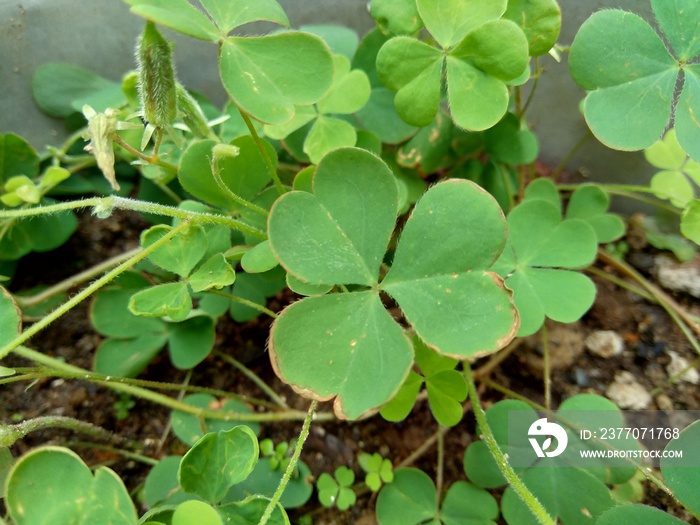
680, 277
664, 402
626, 392
677, 365
605, 343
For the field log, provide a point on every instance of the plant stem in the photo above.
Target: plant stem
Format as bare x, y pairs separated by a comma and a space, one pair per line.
263, 152
440, 470
89, 290
664, 300
254, 378
153, 160
292, 464
236, 198
246, 302
620, 283
571, 154
547, 369
105, 204
74, 280
519, 487
11, 433
289, 415
127, 454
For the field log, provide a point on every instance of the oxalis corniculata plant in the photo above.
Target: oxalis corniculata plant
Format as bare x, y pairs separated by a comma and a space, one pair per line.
300, 182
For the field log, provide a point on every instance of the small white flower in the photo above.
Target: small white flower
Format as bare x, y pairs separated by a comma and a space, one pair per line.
101, 127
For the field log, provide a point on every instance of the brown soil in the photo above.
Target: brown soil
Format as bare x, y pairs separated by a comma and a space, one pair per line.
646, 328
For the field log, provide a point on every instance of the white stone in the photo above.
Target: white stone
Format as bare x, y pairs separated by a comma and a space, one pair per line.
626, 392
605, 343
680, 277
677, 365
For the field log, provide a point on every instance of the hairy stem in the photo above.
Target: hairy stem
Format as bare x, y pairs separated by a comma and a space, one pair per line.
259, 143
519, 487
292, 464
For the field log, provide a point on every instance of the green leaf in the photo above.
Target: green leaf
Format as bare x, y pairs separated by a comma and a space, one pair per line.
265, 481
507, 142
409, 500
449, 21
327, 134
571, 494
346, 181
229, 14
398, 408
303, 288
161, 486
188, 428
250, 511
686, 122
128, 357
455, 305
196, 512
466, 504
635, 514
345, 346
590, 203
63, 89
111, 317
446, 392
540, 20
327, 489
396, 17
214, 273
245, 174
380, 117
37, 491
17, 157
540, 247
218, 461
479, 464
690, 221
631, 91
666, 153
477, 70
179, 15
681, 473
677, 19
414, 70
10, 318
349, 91
191, 341
266, 76
164, 300
181, 253
340, 39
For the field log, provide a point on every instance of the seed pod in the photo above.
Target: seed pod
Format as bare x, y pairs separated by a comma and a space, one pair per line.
191, 113
156, 77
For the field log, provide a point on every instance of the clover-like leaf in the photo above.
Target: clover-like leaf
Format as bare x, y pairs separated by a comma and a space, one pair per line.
540, 20
480, 53
216, 273
349, 91
542, 250
181, 253
690, 221
680, 470
680, 174
396, 17
10, 318
440, 274
571, 494
347, 345
408, 500
264, 481
179, 15
590, 203
631, 92
218, 461
165, 300
37, 491
633, 514
465, 503
266, 76
229, 14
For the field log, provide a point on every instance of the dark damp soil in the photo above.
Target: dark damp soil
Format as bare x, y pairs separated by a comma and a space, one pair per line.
647, 330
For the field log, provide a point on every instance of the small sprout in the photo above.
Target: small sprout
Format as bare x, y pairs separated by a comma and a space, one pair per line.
379, 470
338, 493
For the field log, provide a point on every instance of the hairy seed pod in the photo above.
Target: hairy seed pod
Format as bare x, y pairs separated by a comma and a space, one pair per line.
157, 85
191, 112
